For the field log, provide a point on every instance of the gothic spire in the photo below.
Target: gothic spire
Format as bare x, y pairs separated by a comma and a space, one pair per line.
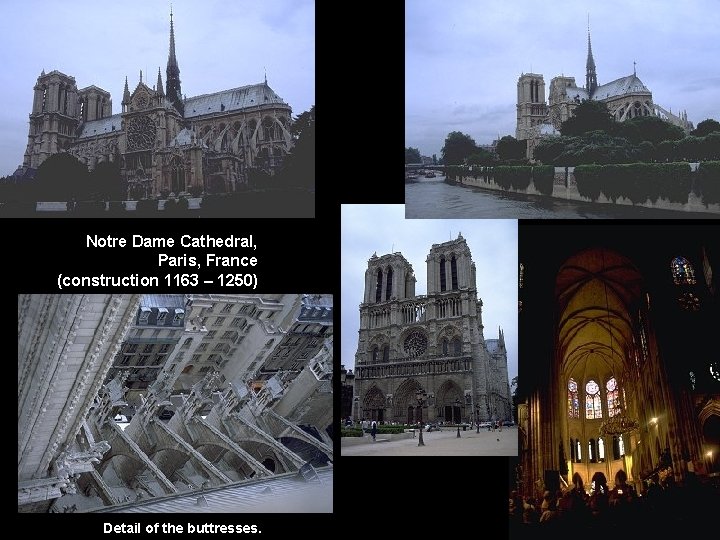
159, 86
126, 93
172, 83
590, 75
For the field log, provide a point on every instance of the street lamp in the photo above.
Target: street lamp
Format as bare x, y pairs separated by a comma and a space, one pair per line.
457, 404
420, 395
477, 418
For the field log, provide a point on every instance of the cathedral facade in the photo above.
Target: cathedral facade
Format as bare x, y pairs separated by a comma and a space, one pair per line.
626, 98
430, 345
164, 141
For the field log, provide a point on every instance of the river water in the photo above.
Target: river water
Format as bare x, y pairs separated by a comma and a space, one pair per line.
433, 198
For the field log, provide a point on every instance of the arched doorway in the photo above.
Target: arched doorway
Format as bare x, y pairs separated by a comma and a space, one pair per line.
448, 396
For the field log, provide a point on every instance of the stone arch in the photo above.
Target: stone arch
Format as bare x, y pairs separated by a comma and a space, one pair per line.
405, 401
447, 395
374, 404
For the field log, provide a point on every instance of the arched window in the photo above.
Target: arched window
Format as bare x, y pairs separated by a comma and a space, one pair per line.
457, 347
453, 272
378, 289
682, 271
375, 354
616, 447
573, 402
386, 353
445, 348
578, 451
613, 397
593, 406
572, 450
621, 445
592, 457
388, 288
442, 273
601, 450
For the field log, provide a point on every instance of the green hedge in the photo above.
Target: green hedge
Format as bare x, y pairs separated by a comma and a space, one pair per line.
391, 429
709, 181
635, 181
512, 176
543, 178
350, 432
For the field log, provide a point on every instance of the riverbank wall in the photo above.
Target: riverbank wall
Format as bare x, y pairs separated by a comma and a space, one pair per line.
565, 187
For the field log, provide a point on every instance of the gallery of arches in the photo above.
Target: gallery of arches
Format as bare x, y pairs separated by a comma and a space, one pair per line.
618, 397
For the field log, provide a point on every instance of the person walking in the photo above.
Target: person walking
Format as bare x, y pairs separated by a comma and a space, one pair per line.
373, 429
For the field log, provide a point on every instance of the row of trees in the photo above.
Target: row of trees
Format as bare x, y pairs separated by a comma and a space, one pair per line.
460, 148
592, 135
412, 155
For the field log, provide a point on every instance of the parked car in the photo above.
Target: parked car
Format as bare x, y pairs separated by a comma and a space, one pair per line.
509, 423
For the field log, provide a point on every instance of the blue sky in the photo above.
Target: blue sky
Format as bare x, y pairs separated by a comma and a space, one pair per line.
464, 58
367, 229
219, 45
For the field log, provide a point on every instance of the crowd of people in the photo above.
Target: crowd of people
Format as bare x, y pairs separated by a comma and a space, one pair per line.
601, 508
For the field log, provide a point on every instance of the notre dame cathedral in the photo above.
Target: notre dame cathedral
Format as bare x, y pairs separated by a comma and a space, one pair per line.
163, 140
433, 344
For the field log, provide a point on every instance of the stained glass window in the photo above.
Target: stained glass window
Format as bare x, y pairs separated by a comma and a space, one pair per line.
621, 444
682, 271
613, 397
593, 405
715, 370
573, 402
689, 302
643, 337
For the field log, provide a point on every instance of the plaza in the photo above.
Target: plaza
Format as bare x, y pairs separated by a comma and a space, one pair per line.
440, 443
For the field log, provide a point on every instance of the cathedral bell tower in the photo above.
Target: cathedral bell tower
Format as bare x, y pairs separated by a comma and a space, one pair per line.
531, 108
54, 117
173, 92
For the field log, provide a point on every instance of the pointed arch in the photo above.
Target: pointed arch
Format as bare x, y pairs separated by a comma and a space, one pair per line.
388, 287
454, 273
404, 399
379, 286
374, 404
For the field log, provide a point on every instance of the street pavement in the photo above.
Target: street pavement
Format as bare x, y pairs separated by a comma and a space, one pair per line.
442, 443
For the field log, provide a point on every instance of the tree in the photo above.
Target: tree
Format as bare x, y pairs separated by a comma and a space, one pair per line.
549, 149
106, 182
706, 127
480, 157
510, 148
299, 166
648, 128
588, 116
412, 155
61, 177
435, 159
458, 146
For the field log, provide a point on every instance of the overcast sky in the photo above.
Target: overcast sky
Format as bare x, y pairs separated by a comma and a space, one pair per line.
464, 58
219, 45
367, 229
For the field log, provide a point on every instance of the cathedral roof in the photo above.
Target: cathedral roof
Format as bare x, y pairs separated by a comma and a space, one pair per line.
101, 126
244, 97
624, 85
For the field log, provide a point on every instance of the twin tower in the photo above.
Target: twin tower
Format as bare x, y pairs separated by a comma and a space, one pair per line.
433, 344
